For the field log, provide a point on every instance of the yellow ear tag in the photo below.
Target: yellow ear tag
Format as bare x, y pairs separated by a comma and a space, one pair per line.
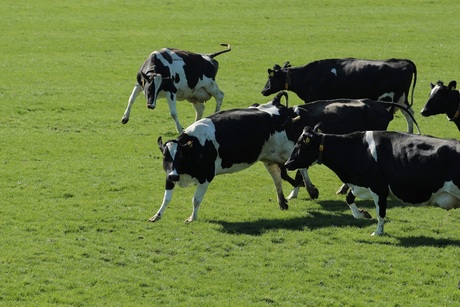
189, 144
143, 83
307, 140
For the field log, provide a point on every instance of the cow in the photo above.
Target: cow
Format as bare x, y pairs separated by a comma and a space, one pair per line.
444, 100
232, 140
388, 80
414, 169
178, 75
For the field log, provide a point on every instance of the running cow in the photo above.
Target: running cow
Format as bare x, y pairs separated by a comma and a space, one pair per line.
414, 169
387, 80
178, 75
444, 100
232, 140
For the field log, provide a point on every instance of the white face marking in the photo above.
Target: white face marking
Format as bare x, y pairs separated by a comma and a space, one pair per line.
371, 142
434, 90
334, 71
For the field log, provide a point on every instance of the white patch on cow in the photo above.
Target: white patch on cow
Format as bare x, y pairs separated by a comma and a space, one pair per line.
369, 135
277, 149
390, 95
269, 108
334, 71
434, 90
203, 130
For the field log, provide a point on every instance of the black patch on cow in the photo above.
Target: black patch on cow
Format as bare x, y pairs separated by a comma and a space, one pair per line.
195, 67
241, 133
194, 159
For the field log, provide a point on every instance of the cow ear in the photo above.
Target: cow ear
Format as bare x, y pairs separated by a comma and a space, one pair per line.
452, 85
319, 128
160, 144
432, 85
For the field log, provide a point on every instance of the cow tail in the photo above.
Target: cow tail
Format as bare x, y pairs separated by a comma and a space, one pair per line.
220, 52
405, 109
414, 82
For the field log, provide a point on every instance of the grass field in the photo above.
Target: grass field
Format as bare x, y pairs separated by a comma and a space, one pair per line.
77, 186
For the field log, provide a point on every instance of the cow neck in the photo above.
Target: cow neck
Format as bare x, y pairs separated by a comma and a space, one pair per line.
287, 84
321, 149
457, 113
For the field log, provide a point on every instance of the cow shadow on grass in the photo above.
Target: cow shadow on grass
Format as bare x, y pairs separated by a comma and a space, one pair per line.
311, 220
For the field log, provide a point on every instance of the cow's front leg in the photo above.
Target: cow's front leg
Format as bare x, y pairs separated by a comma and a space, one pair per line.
275, 172
171, 98
197, 199
166, 200
136, 90
199, 110
357, 213
311, 189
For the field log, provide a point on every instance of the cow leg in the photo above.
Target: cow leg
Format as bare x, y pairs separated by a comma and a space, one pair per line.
381, 208
173, 111
217, 94
311, 189
357, 213
136, 90
166, 200
197, 199
343, 189
275, 172
199, 110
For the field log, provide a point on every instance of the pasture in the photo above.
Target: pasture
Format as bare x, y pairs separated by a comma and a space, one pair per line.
77, 186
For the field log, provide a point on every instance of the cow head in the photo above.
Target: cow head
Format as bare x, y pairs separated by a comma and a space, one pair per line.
443, 100
306, 150
173, 158
276, 79
152, 83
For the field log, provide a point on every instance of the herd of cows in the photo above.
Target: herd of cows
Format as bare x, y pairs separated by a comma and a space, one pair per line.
349, 104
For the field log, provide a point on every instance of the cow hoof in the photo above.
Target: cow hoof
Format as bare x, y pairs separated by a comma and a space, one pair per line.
154, 218
189, 220
124, 120
376, 234
284, 206
342, 190
314, 192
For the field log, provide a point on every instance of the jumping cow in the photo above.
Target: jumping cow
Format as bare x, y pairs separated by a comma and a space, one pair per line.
388, 80
444, 100
232, 140
178, 75
414, 169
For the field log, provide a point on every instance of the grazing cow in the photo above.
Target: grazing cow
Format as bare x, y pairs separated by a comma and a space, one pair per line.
387, 80
232, 140
414, 169
444, 100
178, 75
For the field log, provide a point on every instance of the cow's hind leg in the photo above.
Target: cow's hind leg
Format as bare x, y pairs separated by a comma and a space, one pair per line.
275, 172
197, 199
199, 110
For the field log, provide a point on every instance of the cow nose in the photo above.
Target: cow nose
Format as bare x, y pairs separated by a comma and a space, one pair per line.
172, 176
424, 112
151, 106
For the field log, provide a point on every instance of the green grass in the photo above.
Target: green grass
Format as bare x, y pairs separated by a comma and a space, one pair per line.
76, 186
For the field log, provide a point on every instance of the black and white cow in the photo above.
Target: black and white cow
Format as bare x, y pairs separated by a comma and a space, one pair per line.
178, 75
388, 80
414, 169
232, 140
444, 100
